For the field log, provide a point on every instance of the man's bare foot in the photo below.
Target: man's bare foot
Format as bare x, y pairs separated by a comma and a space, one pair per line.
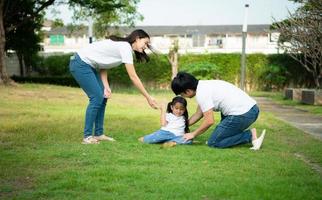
169, 144
254, 134
140, 139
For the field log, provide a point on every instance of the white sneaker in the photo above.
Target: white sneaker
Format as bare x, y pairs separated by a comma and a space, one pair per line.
259, 141
90, 140
104, 138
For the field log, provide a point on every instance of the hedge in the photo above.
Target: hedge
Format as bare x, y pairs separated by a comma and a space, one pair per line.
266, 72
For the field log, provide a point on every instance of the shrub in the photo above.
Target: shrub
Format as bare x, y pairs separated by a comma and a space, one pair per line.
262, 71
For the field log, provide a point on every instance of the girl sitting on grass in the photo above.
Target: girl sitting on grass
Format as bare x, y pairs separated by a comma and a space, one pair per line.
175, 123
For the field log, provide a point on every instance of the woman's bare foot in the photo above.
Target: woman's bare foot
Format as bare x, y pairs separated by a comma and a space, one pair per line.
254, 134
141, 139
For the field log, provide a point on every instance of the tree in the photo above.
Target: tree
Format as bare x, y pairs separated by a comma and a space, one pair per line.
301, 37
173, 58
25, 38
97, 8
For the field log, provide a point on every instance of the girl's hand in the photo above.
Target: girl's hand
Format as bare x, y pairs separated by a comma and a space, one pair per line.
107, 92
152, 102
163, 106
188, 136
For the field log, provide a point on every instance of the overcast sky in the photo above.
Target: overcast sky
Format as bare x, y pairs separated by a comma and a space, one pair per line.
204, 12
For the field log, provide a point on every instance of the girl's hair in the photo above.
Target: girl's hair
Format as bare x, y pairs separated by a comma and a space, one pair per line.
139, 33
183, 101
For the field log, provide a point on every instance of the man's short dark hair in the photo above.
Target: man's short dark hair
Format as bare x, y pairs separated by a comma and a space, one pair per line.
182, 82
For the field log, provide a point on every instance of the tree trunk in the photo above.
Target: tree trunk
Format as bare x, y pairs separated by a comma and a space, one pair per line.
173, 59
4, 78
21, 64
174, 65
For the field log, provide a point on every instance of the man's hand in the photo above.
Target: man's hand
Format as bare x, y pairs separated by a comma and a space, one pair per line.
188, 136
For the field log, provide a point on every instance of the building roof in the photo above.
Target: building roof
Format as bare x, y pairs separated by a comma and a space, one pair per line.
182, 30
171, 30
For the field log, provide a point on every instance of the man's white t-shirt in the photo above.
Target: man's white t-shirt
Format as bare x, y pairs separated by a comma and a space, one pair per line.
224, 97
106, 54
175, 125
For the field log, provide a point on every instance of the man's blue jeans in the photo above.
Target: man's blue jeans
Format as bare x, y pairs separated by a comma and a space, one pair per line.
89, 80
232, 129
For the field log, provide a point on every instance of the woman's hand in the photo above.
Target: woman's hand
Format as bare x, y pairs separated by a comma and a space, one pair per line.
107, 92
153, 103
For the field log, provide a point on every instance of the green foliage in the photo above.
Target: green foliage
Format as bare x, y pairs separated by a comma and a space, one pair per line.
296, 75
218, 66
156, 72
53, 80
273, 77
203, 70
263, 71
255, 65
23, 33
57, 65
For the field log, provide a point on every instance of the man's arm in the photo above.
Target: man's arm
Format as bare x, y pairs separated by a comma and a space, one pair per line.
208, 120
196, 116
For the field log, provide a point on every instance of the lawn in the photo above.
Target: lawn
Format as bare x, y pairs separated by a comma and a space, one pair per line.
41, 155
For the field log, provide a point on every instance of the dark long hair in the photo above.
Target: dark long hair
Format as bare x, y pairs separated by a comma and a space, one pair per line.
182, 82
139, 33
183, 101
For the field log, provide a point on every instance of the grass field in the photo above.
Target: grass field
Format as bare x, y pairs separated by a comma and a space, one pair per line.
41, 155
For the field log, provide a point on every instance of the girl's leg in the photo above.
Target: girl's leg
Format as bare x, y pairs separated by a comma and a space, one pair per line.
158, 137
180, 140
85, 75
231, 130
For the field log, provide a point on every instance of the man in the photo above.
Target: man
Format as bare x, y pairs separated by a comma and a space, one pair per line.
238, 111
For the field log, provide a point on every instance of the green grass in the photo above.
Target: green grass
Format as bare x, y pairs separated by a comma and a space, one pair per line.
278, 97
42, 157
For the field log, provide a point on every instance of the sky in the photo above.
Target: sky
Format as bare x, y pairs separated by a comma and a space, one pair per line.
203, 12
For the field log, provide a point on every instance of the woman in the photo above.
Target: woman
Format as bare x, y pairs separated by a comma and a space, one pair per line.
89, 67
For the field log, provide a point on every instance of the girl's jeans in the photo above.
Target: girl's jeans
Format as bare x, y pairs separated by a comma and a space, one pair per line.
231, 130
161, 136
88, 79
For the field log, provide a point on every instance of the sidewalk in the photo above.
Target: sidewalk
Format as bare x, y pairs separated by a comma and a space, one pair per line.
300, 119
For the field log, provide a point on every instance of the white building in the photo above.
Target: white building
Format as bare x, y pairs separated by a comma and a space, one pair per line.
192, 39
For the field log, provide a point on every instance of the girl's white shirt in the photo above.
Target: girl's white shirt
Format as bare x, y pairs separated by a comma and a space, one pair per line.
106, 54
223, 96
175, 125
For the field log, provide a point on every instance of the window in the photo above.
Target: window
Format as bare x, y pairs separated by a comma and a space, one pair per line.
198, 40
215, 41
56, 40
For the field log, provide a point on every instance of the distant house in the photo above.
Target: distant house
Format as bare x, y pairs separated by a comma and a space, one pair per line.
191, 39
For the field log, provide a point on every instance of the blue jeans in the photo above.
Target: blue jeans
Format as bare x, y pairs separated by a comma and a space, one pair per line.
89, 80
232, 129
161, 136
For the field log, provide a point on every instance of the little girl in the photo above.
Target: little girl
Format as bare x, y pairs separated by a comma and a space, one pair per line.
174, 124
